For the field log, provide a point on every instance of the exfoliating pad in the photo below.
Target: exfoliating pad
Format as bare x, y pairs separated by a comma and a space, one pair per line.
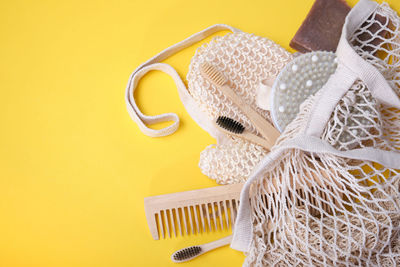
299, 79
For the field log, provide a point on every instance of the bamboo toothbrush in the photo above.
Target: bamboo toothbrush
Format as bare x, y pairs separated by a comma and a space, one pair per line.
262, 125
192, 252
232, 127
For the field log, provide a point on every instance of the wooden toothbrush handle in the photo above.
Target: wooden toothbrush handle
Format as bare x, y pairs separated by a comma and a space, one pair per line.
262, 125
248, 136
255, 139
217, 243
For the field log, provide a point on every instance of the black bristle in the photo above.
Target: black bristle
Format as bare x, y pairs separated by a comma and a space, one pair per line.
187, 253
230, 124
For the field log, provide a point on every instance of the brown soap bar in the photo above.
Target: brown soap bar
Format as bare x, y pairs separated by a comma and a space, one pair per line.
322, 27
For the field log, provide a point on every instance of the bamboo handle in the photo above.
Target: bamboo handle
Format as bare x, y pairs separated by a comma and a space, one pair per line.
262, 125
189, 253
217, 243
249, 137
257, 140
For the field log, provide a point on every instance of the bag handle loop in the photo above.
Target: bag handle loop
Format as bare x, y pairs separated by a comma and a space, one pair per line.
153, 63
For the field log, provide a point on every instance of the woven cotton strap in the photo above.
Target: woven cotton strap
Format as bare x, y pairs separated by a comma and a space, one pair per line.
143, 120
350, 68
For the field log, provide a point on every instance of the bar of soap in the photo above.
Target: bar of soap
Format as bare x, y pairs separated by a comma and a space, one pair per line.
322, 27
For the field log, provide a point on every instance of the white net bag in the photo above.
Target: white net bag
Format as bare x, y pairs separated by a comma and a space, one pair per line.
328, 193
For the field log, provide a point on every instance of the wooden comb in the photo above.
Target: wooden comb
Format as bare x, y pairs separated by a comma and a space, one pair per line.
192, 212
208, 209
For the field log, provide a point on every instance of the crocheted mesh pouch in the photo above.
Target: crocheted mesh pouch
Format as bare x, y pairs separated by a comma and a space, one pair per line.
246, 60
328, 193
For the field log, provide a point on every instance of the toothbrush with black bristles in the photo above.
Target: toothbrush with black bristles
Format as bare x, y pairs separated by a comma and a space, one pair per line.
192, 252
233, 127
217, 78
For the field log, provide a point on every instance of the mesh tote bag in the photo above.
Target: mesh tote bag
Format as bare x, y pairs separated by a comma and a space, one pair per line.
328, 192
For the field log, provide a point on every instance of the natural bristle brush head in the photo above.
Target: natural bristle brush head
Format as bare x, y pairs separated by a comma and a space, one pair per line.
230, 124
213, 74
186, 254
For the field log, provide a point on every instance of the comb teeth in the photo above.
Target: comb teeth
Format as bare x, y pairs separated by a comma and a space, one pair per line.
186, 253
230, 124
195, 219
193, 212
215, 208
212, 74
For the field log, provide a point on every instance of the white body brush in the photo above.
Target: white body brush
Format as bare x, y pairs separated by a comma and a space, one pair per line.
299, 79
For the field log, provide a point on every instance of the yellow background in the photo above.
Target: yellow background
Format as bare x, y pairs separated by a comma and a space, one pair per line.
74, 168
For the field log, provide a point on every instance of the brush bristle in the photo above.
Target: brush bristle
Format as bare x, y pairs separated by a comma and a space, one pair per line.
212, 74
230, 125
186, 253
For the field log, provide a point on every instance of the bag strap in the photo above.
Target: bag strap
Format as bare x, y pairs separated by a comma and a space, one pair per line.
153, 63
